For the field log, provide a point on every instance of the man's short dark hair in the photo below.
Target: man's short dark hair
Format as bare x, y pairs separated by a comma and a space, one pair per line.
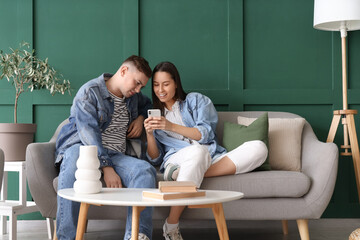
140, 63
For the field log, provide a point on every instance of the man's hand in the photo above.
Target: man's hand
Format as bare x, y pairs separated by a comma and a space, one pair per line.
111, 178
136, 127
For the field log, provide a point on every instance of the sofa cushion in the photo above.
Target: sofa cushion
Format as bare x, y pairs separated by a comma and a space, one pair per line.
237, 134
264, 184
284, 142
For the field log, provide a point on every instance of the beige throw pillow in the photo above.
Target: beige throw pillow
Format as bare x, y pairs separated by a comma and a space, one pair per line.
284, 142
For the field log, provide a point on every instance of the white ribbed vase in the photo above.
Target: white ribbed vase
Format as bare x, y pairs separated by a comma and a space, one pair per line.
88, 174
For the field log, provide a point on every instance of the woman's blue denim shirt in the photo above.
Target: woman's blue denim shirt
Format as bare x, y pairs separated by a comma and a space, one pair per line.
91, 113
197, 111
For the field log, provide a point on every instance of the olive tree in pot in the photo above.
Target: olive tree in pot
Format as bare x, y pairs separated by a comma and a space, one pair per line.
26, 72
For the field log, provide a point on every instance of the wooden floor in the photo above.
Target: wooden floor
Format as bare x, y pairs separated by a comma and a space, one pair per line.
323, 229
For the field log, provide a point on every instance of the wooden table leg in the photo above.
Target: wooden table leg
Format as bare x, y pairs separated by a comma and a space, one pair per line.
218, 212
84, 207
135, 222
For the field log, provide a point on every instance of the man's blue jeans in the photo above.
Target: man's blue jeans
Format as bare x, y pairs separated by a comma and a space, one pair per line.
134, 173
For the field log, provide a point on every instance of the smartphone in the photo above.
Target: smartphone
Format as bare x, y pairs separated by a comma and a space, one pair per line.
154, 113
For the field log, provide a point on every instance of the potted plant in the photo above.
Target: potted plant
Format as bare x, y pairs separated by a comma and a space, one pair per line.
26, 72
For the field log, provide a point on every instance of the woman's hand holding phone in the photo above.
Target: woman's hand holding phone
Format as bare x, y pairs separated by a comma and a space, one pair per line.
148, 124
156, 121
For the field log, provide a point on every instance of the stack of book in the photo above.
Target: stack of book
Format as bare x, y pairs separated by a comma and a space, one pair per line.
173, 190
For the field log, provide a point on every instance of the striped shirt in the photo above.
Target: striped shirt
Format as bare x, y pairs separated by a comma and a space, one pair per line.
114, 136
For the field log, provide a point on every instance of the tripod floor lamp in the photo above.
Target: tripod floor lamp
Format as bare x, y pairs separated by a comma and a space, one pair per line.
343, 16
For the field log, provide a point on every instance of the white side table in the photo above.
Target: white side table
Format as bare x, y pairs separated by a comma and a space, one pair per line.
12, 208
133, 197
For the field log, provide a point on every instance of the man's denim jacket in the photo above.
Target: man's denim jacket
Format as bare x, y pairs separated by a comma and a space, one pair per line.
91, 113
197, 111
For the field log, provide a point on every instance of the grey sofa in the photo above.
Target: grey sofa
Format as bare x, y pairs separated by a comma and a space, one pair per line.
269, 195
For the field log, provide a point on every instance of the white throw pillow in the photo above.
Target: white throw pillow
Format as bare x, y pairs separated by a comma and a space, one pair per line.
284, 142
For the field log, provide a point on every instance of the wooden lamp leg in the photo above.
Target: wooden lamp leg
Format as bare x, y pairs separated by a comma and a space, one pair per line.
333, 127
354, 149
349, 134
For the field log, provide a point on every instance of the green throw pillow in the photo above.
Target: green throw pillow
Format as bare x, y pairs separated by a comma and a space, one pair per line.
237, 134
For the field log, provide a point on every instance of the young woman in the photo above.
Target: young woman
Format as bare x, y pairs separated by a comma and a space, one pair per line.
183, 139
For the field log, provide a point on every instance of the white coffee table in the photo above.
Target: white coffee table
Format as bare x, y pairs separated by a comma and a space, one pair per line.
133, 197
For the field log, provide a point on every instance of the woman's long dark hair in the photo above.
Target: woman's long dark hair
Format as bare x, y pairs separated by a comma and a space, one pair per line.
170, 68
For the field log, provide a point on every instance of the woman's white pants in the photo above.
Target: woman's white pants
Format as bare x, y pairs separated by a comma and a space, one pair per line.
195, 160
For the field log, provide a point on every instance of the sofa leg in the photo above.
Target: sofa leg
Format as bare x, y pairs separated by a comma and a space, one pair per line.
285, 227
50, 227
303, 227
86, 224
55, 236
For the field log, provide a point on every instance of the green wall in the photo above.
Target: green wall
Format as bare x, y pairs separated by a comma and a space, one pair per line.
243, 54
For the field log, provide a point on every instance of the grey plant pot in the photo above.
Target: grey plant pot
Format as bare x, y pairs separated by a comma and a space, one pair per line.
14, 138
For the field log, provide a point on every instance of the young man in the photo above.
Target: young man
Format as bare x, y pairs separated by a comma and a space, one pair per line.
105, 112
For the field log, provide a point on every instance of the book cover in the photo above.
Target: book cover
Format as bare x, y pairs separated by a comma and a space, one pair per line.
156, 194
177, 186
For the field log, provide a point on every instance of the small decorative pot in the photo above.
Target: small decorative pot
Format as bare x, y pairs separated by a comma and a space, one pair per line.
88, 174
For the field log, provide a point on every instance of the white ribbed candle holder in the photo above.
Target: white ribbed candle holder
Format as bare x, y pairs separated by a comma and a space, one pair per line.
88, 174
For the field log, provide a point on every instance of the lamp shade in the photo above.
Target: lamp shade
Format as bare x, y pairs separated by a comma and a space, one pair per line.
334, 15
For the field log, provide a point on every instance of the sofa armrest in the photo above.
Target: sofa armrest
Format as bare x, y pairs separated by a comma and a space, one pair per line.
40, 158
320, 163
2, 160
